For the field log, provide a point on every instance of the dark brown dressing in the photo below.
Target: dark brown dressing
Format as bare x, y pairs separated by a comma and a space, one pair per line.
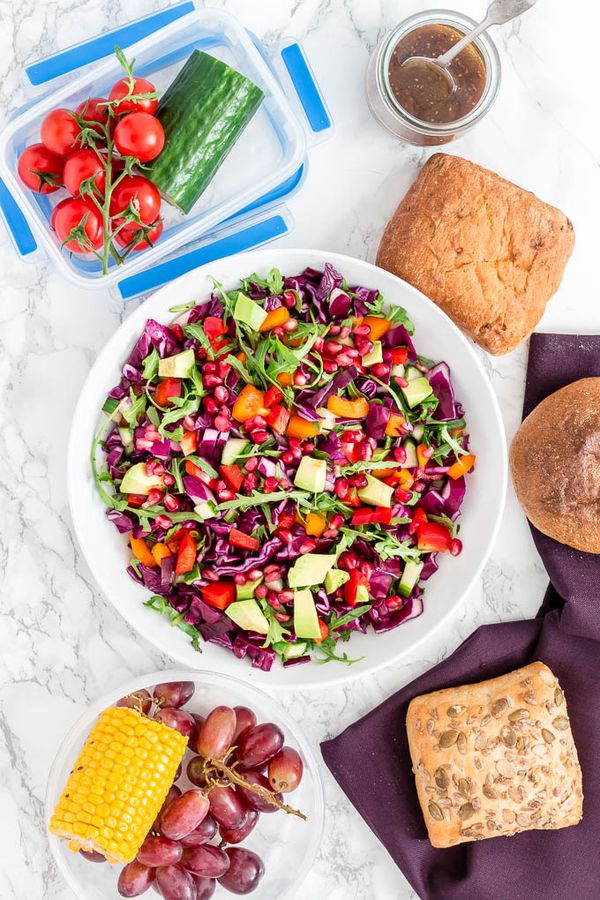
423, 92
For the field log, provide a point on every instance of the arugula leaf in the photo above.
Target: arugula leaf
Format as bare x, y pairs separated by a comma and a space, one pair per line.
138, 406
150, 365
185, 407
327, 648
257, 499
204, 465
162, 606
356, 613
398, 316
365, 464
182, 307
197, 333
443, 520
276, 632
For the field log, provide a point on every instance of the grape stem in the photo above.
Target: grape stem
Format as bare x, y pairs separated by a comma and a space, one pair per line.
222, 769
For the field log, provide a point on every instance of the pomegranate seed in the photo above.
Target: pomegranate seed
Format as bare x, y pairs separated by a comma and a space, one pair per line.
163, 522
240, 578
299, 379
366, 568
154, 497
289, 298
223, 369
251, 463
169, 480
222, 424
402, 496
427, 452
307, 546
284, 535
352, 352
261, 591
259, 437
172, 504
456, 547
402, 381
210, 406
286, 596
209, 368
364, 347
273, 601
336, 521
358, 481
271, 484
287, 457
361, 330
318, 344
225, 495
142, 444
335, 329
275, 585
330, 533
290, 326
209, 575
419, 487
345, 332
282, 617
341, 488
211, 381
153, 467
353, 436
254, 575
332, 348
294, 443
330, 367
381, 370
343, 359
278, 331
365, 451
250, 481
221, 394
308, 447
284, 483
399, 454
347, 560
259, 422
272, 570
394, 602
177, 331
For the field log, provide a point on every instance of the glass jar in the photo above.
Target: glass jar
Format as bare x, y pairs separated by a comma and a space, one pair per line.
385, 107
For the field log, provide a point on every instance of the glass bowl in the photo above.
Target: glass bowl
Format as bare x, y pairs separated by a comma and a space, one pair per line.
286, 844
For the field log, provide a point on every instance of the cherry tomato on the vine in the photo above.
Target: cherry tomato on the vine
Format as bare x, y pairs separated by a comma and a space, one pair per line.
94, 109
140, 193
141, 135
59, 132
134, 235
77, 213
40, 170
82, 165
123, 89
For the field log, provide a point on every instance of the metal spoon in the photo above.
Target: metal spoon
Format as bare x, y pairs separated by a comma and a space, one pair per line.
499, 12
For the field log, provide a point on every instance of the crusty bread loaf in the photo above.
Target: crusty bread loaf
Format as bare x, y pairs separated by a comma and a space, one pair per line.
489, 253
555, 463
495, 758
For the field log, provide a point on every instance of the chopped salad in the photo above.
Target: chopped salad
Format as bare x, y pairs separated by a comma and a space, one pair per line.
286, 466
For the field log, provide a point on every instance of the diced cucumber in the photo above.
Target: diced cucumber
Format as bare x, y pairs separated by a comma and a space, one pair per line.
412, 460
410, 577
126, 435
233, 448
418, 431
206, 509
294, 650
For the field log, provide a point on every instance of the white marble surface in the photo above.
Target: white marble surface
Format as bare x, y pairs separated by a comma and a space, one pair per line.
62, 645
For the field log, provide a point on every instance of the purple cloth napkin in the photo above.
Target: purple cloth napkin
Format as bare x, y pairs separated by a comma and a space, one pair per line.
371, 760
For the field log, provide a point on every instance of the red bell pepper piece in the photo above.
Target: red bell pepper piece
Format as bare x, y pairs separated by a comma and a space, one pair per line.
419, 517
273, 396
398, 356
351, 587
214, 327
368, 516
170, 387
186, 555
233, 476
239, 538
353, 499
278, 418
192, 469
433, 537
189, 442
218, 594
286, 520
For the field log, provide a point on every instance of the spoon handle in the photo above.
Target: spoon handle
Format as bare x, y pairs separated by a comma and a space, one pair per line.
499, 12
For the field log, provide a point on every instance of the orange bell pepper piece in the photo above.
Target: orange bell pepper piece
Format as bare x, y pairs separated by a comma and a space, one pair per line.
315, 524
250, 402
275, 319
160, 552
462, 466
142, 552
242, 357
395, 426
189, 442
378, 326
324, 630
302, 428
423, 455
348, 409
284, 379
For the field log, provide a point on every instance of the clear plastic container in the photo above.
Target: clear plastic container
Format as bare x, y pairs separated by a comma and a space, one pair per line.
264, 167
286, 844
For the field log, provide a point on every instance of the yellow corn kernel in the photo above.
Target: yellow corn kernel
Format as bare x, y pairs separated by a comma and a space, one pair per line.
126, 756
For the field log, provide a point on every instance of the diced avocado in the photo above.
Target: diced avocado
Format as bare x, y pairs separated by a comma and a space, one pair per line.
232, 449
311, 474
410, 577
126, 435
248, 615
249, 312
416, 391
411, 454
137, 481
306, 620
376, 492
327, 418
375, 356
179, 366
411, 373
418, 431
246, 591
311, 568
294, 650
334, 579
398, 371
206, 509
362, 594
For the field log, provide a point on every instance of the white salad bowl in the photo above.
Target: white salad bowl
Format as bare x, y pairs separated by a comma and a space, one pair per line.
107, 552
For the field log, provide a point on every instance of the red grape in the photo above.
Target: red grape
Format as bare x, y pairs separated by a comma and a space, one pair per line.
92, 856
159, 851
244, 719
184, 814
258, 745
134, 879
174, 883
195, 771
174, 693
254, 801
174, 792
202, 834
227, 807
205, 887
212, 862
245, 871
285, 770
179, 720
199, 720
237, 835
138, 700
217, 733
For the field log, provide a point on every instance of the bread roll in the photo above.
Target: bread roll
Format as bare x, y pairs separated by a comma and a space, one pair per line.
495, 758
555, 463
489, 253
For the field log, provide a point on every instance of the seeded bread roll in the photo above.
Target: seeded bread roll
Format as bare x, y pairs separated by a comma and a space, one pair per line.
495, 758
489, 253
555, 463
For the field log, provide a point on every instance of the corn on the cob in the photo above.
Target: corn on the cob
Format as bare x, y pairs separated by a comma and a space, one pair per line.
118, 784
